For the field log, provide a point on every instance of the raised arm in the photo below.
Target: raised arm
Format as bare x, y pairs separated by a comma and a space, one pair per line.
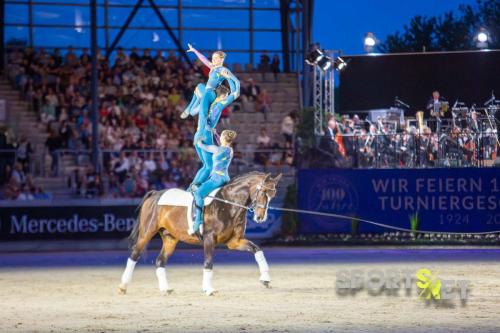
200, 56
234, 84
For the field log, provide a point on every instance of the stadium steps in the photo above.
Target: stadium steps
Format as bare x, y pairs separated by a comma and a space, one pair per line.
21, 118
284, 99
56, 186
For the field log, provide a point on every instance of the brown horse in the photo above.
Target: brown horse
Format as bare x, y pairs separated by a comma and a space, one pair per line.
224, 223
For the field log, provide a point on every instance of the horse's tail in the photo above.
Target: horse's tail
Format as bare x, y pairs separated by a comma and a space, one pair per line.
134, 234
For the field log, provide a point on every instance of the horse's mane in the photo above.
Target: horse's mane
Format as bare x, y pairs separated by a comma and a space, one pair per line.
245, 176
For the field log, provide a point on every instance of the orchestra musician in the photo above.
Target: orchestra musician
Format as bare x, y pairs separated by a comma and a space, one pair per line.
437, 107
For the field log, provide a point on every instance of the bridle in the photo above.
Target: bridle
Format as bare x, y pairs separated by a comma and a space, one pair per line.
254, 204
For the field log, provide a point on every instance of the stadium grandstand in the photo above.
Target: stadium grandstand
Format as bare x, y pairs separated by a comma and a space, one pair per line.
144, 80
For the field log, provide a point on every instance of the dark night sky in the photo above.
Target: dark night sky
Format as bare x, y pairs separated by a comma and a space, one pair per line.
343, 24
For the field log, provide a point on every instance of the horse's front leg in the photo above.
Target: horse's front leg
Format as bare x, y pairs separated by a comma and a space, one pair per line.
209, 248
246, 245
167, 250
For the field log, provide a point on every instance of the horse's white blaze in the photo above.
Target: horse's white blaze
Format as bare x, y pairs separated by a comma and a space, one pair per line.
207, 282
266, 207
129, 270
161, 274
263, 266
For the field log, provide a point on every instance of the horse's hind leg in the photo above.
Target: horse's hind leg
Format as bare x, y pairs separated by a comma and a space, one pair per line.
167, 249
246, 245
209, 248
142, 240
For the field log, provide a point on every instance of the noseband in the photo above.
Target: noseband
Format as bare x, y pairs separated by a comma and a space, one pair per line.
254, 203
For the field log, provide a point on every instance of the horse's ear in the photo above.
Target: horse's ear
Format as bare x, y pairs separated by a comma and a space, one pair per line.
277, 178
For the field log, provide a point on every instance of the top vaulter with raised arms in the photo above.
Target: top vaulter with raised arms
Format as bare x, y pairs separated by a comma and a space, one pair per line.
208, 106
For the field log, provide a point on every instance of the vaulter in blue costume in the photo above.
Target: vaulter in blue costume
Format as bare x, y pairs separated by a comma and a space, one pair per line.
208, 106
219, 175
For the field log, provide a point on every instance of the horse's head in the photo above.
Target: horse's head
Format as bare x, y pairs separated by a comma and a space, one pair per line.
261, 194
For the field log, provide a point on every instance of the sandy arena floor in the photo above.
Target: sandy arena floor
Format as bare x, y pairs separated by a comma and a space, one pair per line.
303, 298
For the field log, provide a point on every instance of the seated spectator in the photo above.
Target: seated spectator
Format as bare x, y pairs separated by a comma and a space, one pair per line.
250, 92
288, 129
25, 193
47, 113
12, 190
263, 139
92, 184
18, 174
121, 167
23, 152
263, 103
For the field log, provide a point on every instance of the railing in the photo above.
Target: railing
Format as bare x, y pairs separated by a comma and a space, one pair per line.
242, 160
400, 150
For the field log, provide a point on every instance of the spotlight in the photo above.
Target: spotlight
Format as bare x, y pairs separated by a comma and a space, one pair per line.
482, 39
370, 42
317, 58
324, 63
314, 56
340, 64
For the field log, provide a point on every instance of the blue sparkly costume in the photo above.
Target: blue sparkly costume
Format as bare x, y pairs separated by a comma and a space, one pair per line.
219, 175
202, 104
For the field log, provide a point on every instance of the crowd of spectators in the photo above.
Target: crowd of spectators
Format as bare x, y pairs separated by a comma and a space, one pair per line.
140, 99
15, 173
272, 154
145, 145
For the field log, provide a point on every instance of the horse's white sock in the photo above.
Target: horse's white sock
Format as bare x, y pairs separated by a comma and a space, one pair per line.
263, 267
207, 281
129, 270
161, 274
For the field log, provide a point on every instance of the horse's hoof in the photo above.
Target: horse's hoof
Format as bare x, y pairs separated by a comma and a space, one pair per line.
166, 292
210, 292
266, 284
122, 290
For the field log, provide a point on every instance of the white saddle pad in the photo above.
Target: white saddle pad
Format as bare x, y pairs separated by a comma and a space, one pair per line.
178, 197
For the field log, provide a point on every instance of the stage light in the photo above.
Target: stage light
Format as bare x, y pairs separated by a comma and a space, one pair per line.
370, 42
324, 63
340, 64
482, 39
314, 57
